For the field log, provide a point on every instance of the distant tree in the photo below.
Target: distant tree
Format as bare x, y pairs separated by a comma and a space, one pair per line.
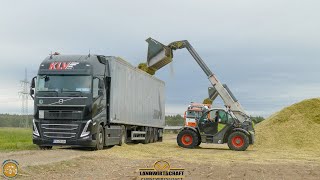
144, 67
207, 101
176, 120
257, 119
13, 120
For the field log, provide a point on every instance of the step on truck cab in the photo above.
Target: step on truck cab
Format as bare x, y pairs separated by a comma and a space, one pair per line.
95, 101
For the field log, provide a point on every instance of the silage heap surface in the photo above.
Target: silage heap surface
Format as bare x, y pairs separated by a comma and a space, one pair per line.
296, 127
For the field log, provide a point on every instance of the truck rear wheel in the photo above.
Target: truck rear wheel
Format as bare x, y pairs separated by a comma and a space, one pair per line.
187, 138
238, 141
99, 139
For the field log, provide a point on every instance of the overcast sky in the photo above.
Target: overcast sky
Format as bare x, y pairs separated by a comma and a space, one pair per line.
267, 52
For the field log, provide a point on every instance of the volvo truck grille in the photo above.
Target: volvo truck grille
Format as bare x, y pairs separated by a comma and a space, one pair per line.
58, 115
62, 131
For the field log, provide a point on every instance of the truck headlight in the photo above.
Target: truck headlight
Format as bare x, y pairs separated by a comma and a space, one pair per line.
85, 131
35, 129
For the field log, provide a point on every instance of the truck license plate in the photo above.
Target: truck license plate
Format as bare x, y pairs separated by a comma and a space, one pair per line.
59, 141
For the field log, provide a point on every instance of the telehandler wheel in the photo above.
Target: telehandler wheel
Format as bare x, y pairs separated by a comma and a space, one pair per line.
188, 139
238, 141
199, 141
99, 139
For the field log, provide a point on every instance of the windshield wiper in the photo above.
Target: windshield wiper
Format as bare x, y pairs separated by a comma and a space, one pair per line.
80, 92
50, 91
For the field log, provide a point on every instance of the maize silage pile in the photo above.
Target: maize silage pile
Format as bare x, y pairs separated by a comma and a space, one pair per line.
294, 127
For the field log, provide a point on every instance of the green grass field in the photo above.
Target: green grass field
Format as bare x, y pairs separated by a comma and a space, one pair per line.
16, 139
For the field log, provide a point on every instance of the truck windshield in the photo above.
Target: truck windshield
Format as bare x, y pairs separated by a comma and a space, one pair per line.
64, 83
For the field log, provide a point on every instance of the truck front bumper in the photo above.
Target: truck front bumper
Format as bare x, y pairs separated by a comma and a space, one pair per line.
73, 143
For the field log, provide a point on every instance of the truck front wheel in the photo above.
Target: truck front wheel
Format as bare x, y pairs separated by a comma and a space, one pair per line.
188, 139
99, 139
238, 141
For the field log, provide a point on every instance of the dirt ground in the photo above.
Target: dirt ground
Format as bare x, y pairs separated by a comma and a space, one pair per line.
207, 162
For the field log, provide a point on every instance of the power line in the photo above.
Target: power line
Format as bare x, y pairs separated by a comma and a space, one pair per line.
24, 95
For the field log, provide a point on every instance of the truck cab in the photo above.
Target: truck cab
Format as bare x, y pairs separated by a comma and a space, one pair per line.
70, 95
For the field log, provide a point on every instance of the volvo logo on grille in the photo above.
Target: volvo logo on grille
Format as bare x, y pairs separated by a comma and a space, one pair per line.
60, 101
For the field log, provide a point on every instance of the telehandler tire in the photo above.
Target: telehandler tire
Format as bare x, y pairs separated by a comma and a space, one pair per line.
238, 141
187, 139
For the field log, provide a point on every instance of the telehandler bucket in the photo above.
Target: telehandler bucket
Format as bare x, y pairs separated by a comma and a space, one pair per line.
159, 55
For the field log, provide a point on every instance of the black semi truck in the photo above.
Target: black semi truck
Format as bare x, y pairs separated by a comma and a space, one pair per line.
95, 101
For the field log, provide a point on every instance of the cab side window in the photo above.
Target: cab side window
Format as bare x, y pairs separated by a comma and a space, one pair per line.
230, 119
95, 88
223, 116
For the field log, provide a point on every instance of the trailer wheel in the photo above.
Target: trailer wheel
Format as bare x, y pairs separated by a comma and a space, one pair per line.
156, 135
147, 137
238, 141
187, 138
123, 136
151, 135
45, 147
99, 139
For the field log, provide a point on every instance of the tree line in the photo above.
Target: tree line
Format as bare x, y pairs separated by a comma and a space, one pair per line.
9, 120
14, 120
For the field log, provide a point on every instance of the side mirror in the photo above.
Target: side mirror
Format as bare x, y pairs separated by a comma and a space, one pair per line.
33, 82
32, 93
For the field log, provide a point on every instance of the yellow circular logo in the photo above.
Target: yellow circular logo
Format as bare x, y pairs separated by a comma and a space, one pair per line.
161, 166
10, 168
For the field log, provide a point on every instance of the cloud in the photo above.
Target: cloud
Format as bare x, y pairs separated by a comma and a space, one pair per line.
266, 51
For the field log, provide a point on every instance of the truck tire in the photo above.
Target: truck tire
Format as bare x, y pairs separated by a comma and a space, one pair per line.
99, 139
156, 135
151, 135
123, 136
238, 141
187, 138
147, 137
45, 147
160, 135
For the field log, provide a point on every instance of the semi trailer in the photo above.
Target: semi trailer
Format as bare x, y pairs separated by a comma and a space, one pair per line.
95, 101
